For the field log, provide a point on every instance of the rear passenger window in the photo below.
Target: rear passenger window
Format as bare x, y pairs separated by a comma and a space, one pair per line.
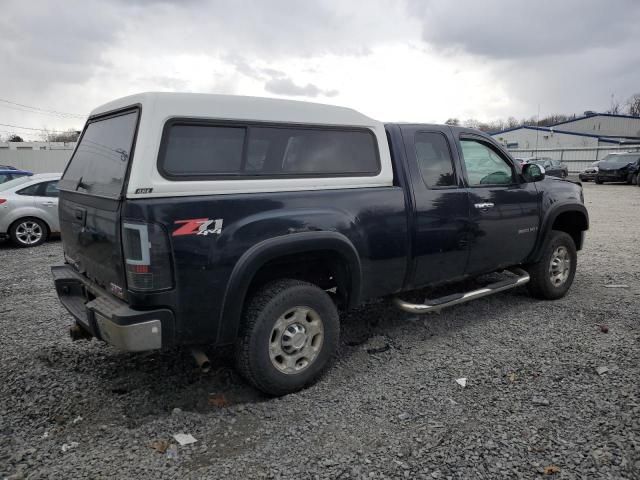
208, 150
51, 189
434, 159
31, 190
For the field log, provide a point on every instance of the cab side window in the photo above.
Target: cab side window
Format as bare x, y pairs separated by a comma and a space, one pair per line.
434, 160
484, 166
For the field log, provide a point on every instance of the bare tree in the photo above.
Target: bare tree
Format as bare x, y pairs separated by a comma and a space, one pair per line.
633, 105
70, 135
471, 123
614, 109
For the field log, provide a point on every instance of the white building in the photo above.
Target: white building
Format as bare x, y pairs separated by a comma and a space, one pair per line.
590, 131
37, 157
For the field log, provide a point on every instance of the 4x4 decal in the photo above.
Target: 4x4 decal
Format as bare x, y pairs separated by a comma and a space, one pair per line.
198, 226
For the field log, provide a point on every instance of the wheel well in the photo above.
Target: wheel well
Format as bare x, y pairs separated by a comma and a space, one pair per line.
34, 218
572, 223
325, 268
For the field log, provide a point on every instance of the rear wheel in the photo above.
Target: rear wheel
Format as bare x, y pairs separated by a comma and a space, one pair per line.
28, 232
634, 179
553, 275
290, 335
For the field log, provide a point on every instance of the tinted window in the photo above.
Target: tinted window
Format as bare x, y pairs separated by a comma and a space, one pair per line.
484, 166
51, 189
203, 150
99, 164
218, 150
434, 159
31, 190
4, 178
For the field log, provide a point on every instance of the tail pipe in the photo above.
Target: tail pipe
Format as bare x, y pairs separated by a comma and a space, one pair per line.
76, 332
202, 360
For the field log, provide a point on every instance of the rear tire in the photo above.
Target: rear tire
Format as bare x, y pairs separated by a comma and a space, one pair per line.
634, 179
289, 337
553, 275
28, 232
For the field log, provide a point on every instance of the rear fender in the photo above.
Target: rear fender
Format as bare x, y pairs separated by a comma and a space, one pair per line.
261, 253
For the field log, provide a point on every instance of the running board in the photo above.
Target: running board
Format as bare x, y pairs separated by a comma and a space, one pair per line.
438, 304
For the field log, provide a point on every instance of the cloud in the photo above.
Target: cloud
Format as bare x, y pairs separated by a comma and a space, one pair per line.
524, 29
395, 59
286, 86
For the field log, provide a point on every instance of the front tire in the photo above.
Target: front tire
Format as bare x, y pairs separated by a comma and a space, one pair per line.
553, 275
598, 181
634, 179
290, 335
28, 232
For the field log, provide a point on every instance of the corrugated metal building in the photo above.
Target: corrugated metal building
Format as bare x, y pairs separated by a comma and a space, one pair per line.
603, 124
593, 130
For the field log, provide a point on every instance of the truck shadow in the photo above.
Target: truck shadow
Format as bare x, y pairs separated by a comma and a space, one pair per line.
140, 388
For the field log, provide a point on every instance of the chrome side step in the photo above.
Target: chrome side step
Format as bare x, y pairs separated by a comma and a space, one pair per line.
438, 304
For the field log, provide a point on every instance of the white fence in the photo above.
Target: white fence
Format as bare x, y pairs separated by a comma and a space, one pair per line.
51, 160
576, 159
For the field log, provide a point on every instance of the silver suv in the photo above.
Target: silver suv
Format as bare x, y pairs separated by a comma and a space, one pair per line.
29, 209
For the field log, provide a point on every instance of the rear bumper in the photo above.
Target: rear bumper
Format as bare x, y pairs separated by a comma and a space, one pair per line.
110, 319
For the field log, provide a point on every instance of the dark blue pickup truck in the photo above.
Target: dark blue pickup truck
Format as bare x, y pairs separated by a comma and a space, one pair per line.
208, 220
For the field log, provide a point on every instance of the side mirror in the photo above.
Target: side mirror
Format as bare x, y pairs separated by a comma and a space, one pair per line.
533, 172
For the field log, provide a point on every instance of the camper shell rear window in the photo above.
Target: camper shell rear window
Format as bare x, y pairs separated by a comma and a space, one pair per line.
197, 150
100, 162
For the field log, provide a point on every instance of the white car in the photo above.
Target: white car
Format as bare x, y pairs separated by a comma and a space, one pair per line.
29, 209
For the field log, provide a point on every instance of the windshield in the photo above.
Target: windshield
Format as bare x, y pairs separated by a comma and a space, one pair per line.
99, 164
14, 183
618, 160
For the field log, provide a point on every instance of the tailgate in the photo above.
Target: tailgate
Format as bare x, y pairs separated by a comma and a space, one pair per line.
91, 196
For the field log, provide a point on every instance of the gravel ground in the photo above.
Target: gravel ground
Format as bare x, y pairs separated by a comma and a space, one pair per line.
534, 403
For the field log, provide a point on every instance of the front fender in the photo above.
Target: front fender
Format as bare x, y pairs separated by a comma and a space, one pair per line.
546, 225
259, 254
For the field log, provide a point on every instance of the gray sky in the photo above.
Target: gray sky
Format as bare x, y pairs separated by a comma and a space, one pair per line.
406, 60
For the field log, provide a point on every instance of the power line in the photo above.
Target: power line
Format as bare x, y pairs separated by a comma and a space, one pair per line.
44, 110
20, 109
35, 129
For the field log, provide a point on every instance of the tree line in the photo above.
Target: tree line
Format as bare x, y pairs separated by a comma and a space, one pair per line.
630, 107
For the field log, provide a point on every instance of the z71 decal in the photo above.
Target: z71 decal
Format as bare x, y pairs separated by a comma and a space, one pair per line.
198, 226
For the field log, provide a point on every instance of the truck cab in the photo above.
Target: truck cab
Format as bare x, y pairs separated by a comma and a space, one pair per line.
208, 220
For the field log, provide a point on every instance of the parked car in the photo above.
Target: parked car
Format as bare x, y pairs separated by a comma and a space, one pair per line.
29, 209
554, 168
619, 167
589, 173
250, 222
8, 173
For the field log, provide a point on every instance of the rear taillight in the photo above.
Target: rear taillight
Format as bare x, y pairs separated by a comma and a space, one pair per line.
147, 258
2, 200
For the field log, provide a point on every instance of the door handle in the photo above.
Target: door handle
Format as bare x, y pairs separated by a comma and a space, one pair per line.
48, 204
484, 206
